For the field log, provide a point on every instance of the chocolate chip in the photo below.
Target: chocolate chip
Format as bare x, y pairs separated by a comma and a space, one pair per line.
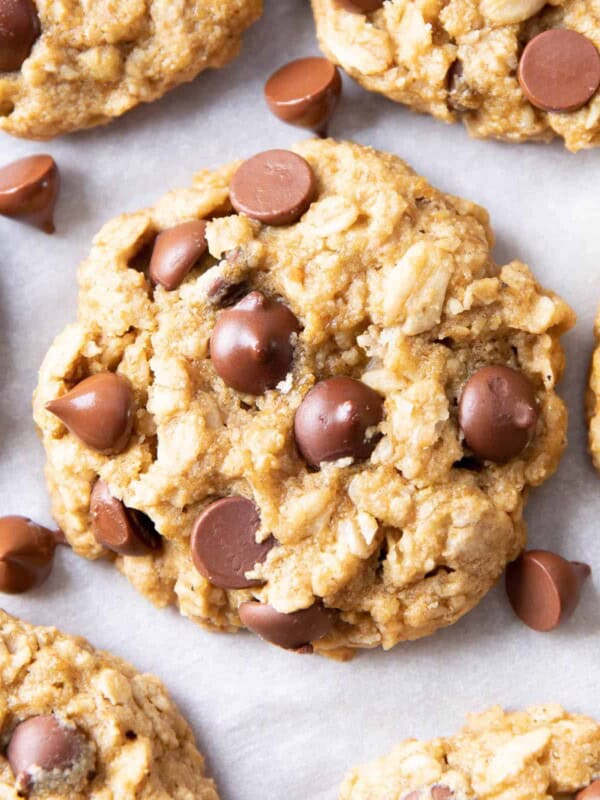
19, 28
592, 792
224, 294
290, 631
99, 411
29, 190
176, 251
364, 6
544, 588
26, 554
275, 187
435, 793
252, 345
559, 70
337, 419
42, 743
224, 546
498, 413
305, 93
120, 529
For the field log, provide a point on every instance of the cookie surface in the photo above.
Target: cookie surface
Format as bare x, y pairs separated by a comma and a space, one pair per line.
87, 63
383, 526
79, 724
593, 400
480, 61
539, 753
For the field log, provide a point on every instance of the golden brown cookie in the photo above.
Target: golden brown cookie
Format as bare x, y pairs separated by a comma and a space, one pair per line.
335, 414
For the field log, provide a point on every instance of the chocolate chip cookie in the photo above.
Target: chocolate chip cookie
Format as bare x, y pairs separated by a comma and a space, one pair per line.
302, 398
593, 399
539, 753
509, 69
78, 724
69, 64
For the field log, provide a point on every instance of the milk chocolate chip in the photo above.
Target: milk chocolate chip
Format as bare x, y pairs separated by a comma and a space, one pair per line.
19, 28
591, 793
290, 631
498, 413
275, 187
252, 345
176, 251
99, 411
224, 546
120, 529
559, 70
42, 744
544, 588
26, 554
29, 190
337, 419
305, 93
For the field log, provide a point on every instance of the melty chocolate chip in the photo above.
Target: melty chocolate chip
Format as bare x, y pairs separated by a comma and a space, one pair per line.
437, 792
176, 251
498, 413
291, 631
29, 190
364, 6
544, 588
592, 792
42, 745
26, 554
19, 29
559, 70
99, 411
275, 187
119, 529
305, 93
223, 543
338, 419
252, 344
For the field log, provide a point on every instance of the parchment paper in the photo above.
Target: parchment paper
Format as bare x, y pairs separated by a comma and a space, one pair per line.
274, 725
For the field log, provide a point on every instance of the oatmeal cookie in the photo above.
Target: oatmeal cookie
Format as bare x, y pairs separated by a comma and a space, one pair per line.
532, 755
70, 64
80, 724
318, 417
593, 399
509, 69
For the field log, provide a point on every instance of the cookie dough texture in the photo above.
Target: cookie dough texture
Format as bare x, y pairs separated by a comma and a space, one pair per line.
95, 60
457, 59
532, 755
394, 284
593, 400
142, 748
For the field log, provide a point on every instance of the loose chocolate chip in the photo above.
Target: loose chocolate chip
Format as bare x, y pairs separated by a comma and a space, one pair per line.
252, 346
305, 93
19, 28
498, 413
120, 529
42, 743
26, 554
559, 70
290, 631
364, 6
29, 190
99, 411
224, 546
275, 187
337, 419
176, 251
544, 588
592, 792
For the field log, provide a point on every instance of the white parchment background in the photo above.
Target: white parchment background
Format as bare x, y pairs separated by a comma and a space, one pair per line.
274, 725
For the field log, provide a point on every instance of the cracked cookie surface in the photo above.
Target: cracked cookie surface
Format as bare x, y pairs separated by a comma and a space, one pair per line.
394, 287
532, 755
113, 731
91, 62
459, 60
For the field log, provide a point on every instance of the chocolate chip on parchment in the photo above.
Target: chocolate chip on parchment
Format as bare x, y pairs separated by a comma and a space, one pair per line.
26, 553
99, 411
29, 189
223, 543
